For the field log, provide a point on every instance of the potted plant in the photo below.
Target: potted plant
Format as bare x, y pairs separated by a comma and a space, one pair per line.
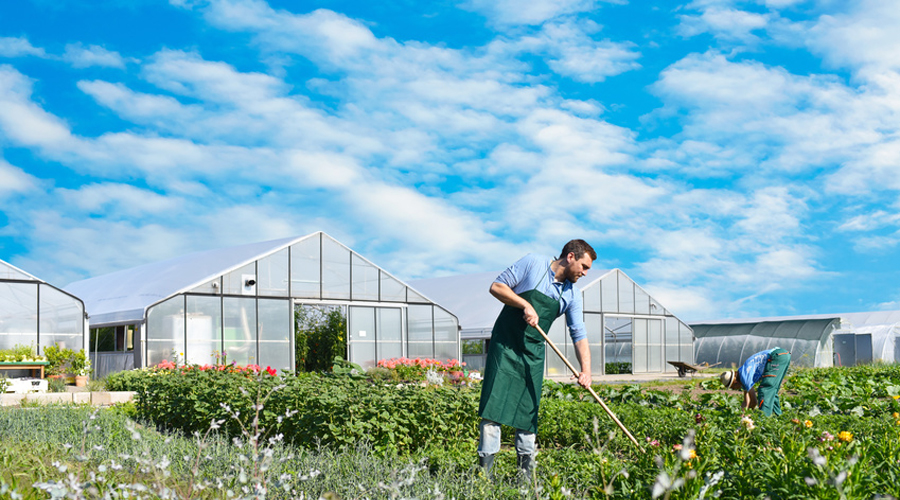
81, 365
58, 360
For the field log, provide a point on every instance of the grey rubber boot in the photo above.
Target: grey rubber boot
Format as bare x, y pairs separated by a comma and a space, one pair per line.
526, 465
487, 463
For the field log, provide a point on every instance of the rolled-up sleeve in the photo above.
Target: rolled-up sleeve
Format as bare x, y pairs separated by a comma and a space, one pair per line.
575, 317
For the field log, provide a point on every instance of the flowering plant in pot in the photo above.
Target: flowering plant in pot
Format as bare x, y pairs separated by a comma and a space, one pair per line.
81, 365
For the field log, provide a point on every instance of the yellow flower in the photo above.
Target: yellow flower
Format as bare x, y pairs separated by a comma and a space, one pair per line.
896, 415
692, 454
845, 436
808, 423
896, 397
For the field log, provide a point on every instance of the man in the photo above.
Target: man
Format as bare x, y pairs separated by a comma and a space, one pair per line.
766, 368
535, 291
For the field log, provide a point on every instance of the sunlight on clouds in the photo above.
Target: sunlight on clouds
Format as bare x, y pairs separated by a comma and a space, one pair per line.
773, 214
18, 47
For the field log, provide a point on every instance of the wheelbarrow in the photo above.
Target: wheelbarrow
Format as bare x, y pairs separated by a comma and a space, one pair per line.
685, 368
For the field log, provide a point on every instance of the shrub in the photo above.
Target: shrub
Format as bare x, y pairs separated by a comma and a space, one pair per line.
320, 337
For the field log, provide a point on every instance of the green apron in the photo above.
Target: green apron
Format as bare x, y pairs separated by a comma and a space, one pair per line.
514, 369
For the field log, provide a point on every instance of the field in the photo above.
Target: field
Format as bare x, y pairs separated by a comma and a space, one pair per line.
247, 434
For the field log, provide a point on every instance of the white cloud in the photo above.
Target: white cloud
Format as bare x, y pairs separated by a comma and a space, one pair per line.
118, 200
726, 24
18, 47
866, 37
24, 122
14, 180
80, 56
511, 12
572, 52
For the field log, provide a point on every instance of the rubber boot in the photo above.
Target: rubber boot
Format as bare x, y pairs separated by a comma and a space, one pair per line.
525, 464
487, 463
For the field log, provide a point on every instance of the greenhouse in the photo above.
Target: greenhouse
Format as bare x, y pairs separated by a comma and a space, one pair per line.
35, 313
628, 330
239, 304
821, 340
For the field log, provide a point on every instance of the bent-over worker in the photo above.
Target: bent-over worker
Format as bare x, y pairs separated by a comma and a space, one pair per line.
535, 291
766, 368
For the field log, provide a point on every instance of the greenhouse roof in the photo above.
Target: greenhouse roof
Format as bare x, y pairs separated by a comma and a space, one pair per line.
122, 296
469, 298
11, 272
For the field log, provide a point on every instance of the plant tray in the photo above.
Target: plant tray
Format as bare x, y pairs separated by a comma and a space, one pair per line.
24, 385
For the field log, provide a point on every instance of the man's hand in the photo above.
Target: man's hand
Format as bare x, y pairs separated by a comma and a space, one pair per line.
530, 316
584, 379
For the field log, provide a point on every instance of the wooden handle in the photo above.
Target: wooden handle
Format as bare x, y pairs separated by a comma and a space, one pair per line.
590, 389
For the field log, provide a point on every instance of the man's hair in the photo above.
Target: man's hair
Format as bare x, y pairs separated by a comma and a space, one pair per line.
579, 248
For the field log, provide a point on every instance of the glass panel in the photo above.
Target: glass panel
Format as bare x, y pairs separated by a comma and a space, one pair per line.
8, 272
212, 286
165, 331
610, 293
591, 296
62, 319
641, 301
241, 281
413, 296
446, 328
365, 279
390, 333
275, 331
19, 322
640, 346
273, 274
305, 268
204, 330
239, 330
687, 343
654, 345
362, 336
445, 351
626, 294
391, 289
593, 324
420, 331
656, 307
335, 270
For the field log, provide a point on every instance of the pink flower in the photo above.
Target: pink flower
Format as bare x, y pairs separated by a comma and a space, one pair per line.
271, 371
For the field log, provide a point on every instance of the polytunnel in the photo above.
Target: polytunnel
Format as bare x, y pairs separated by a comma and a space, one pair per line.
36, 313
240, 302
730, 343
628, 330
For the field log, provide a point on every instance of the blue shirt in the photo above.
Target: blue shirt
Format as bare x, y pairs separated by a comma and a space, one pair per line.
752, 369
533, 272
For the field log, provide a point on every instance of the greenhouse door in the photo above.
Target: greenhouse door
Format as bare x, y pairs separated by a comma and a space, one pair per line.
648, 345
617, 348
375, 333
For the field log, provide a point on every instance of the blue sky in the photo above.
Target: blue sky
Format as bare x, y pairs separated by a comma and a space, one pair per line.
736, 158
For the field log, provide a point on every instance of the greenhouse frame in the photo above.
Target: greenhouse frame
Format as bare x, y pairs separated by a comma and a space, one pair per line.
36, 313
239, 303
821, 340
628, 330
